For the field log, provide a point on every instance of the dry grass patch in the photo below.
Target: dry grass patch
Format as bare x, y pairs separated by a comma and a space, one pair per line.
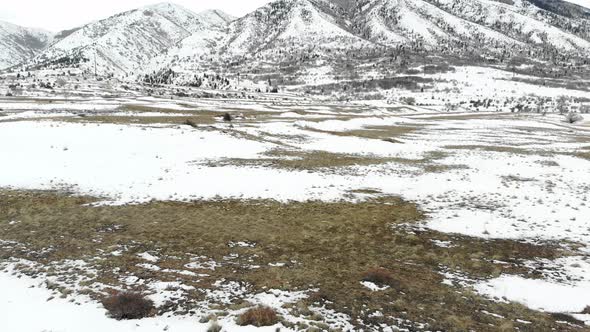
494, 148
328, 246
323, 160
143, 120
303, 160
386, 133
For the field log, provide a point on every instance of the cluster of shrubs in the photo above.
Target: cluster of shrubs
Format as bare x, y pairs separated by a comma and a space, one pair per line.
259, 316
129, 305
132, 305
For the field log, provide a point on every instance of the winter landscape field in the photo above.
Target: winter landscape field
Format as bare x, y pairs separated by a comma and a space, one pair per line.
379, 165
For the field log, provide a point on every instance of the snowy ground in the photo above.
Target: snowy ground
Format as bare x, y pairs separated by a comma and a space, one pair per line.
497, 175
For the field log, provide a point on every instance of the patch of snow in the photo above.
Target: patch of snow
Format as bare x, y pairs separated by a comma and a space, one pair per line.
373, 286
538, 294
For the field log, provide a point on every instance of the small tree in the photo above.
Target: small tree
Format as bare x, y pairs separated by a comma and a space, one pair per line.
61, 83
573, 117
409, 101
540, 105
562, 104
451, 107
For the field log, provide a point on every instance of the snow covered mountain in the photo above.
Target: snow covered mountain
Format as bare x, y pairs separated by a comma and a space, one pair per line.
479, 23
119, 44
297, 35
165, 40
282, 32
19, 44
215, 17
291, 24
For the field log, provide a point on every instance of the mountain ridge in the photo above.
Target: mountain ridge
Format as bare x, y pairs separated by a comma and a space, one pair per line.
166, 36
18, 44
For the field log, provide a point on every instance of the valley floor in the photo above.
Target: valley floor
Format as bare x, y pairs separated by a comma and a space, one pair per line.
479, 220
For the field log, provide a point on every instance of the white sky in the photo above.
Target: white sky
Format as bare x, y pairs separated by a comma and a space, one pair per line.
57, 15
585, 3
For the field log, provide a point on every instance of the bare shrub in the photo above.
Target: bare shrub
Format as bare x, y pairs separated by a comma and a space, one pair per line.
451, 107
573, 117
408, 100
378, 276
128, 305
259, 316
60, 82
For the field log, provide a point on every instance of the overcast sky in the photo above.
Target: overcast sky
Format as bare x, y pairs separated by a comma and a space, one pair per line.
57, 15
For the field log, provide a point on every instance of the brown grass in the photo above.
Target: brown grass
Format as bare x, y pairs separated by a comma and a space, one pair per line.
372, 132
259, 316
328, 246
323, 161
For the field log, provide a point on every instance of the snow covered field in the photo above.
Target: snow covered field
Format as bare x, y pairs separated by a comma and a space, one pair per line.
485, 175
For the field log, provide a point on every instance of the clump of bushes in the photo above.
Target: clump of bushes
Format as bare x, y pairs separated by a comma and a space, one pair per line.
379, 276
409, 101
259, 316
573, 117
129, 305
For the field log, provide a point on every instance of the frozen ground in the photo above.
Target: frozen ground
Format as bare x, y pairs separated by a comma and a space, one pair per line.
495, 175
23, 295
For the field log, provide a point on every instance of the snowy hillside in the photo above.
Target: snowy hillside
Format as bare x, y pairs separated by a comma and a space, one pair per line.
163, 42
216, 17
120, 43
433, 23
290, 23
289, 32
18, 44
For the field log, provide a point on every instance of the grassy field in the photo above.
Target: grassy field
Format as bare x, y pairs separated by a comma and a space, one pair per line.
212, 257
324, 247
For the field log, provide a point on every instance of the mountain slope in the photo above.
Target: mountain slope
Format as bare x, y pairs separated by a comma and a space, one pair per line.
571, 8
290, 24
19, 44
160, 42
119, 44
288, 32
481, 23
215, 17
